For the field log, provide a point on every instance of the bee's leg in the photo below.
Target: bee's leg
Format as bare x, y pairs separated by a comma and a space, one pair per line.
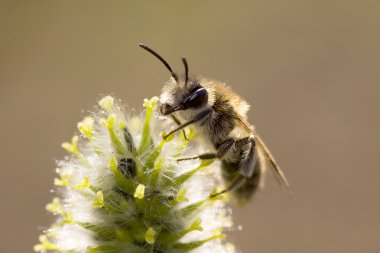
203, 114
245, 168
178, 122
222, 150
236, 183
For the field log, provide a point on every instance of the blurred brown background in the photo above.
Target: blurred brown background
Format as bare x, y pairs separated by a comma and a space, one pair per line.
310, 69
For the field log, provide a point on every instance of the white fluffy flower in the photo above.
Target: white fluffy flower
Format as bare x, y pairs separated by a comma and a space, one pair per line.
121, 190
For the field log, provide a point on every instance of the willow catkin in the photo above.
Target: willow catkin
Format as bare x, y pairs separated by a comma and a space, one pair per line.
121, 190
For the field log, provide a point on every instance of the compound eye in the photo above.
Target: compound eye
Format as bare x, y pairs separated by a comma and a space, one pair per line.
198, 98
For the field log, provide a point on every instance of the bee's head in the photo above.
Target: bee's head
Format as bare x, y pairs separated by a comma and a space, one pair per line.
180, 93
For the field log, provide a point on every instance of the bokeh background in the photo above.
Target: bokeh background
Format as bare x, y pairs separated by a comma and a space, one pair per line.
310, 68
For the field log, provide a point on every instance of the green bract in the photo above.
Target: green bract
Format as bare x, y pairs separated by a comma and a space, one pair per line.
121, 190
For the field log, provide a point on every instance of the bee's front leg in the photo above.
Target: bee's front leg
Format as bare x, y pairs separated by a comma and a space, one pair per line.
222, 150
178, 122
200, 116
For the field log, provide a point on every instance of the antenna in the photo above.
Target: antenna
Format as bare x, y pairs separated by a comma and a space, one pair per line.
184, 61
161, 59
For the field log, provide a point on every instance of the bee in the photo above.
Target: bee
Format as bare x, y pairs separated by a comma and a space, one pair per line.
221, 116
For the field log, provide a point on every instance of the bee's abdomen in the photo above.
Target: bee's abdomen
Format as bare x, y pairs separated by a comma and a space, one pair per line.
251, 185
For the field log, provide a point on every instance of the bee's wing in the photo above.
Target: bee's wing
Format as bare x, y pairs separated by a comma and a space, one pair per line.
276, 168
